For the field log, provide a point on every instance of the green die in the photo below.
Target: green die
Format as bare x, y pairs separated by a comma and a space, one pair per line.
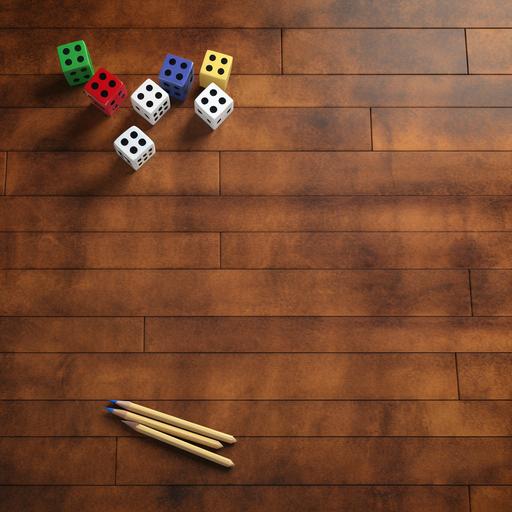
75, 62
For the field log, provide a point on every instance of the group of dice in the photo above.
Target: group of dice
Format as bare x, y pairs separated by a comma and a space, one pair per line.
150, 100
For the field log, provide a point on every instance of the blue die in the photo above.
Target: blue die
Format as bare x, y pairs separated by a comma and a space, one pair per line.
176, 75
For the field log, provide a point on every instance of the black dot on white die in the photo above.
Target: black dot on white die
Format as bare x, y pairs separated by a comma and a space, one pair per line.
104, 94
80, 58
204, 101
149, 87
112, 83
212, 57
133, 134
149, 104
179, 76
142, 142
95, 85
213, 109
68, 62
65, 51
172, 61
224, 60
133, 150
209, 67
213, 92
158, 95
103, 76
124, 142
167, 72
183, 65
78, 48
222, 101
140, 96
220, 71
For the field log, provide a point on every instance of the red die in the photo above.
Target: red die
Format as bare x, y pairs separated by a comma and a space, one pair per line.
106, 91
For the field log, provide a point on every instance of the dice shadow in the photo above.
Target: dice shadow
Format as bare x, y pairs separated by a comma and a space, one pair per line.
55, 91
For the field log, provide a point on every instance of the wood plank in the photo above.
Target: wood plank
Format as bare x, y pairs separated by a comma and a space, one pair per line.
139, 51
486, 498
251, 376
244, 13
100, 174
366, 250
328, 334
256, 213
272, 418
3, 171
488, 51
231, 498
374, 51
109, 250
325, 461
491, 292
78, 129
57, 460
485, 376
32, 334
442, 129
366, 173
232, 293
288, 91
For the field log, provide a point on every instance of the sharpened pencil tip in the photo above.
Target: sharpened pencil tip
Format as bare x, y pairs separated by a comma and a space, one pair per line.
110, 409
113, 401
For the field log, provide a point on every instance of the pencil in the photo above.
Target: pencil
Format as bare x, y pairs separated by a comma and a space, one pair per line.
178, 443
166, 428
177, 422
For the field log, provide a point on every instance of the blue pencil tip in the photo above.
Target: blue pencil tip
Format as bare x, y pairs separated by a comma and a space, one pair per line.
113, 401
110, 409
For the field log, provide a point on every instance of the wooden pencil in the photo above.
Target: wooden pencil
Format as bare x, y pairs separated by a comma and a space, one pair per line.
173, 420
178, 443
166, 428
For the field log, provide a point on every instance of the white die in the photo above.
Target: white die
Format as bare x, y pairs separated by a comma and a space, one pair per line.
150, 101
134, 147
213, 106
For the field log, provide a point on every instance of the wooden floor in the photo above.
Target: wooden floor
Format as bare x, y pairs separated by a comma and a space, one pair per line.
328, 276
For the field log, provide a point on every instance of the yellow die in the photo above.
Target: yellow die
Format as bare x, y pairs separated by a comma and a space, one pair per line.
216, 68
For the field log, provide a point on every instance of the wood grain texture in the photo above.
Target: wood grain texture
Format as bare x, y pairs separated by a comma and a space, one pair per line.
3, 170
328, 334
86, 461
489, 51
366, 173
249, 418
68, 334
487, 376
326, 461
375, 51
289, 91
139, 51
441, 129
232, 293
229, 498
182, 130
109, 250
486, 498
366, 250
491, 292
256, 214
264, 13
100, 174
228, 376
